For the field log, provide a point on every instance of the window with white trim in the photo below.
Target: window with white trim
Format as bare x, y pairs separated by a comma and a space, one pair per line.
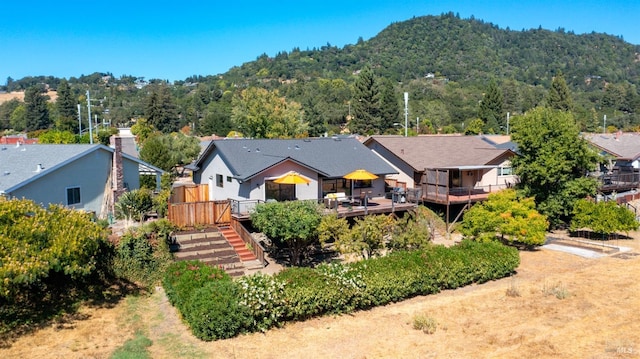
505, 171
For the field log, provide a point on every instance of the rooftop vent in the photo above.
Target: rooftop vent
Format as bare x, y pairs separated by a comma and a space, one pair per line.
39, 167
6, 173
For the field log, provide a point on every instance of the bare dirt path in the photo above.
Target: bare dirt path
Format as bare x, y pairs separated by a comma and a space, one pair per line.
598, 317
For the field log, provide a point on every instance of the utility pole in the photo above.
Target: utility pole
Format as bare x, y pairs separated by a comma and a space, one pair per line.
79, 121
406, 113
604, 124
507, 123
89, 108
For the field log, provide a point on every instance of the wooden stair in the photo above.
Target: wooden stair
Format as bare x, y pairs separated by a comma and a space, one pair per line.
209, 247
237, 243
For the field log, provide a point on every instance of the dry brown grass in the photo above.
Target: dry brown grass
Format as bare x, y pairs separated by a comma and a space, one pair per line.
599, 319
4, 97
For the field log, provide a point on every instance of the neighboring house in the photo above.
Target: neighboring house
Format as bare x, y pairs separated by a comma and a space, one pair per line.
502, 142
619, 169
444, 165
85, 177
17, 139
623, 148
245, 169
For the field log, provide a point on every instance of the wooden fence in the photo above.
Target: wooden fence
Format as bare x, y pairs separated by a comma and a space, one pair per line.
190, 193
191, 214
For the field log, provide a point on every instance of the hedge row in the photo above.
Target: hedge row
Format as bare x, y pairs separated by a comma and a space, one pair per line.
216, 307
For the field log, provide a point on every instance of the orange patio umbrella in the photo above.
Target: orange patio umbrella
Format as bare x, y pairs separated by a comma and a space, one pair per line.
292, 177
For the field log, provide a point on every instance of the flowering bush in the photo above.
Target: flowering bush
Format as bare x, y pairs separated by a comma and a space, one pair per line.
263, 295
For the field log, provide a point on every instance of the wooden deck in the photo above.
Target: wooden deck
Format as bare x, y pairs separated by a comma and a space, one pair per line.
377, 205
456, 198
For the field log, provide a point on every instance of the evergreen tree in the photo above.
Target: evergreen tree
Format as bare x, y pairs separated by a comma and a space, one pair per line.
389, 105
317, 124
491, 109
559, 97
217, 120
37, 113
365, 104
66, 107
160, 109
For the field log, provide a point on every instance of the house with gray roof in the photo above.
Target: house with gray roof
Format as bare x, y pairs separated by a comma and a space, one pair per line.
619, 168
80, 176
623, 147
446, 165
245, 169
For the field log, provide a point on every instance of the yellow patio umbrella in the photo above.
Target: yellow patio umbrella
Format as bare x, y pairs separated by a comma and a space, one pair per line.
360, 174
292, 177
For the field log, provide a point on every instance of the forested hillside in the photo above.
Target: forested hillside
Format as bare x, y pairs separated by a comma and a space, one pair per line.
446, 64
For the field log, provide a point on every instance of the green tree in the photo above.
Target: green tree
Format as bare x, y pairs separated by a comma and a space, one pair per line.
331, 228
66, 108
366, 104
367, 236
414, 230
474, 127
160, 109
217, 119
142, 129
37, 112
553, 162
57, 137
317, 123
18, 118
259, 113
605, 217
292, 224
490, 111
170, 151
6, 109
503, 215
389, 105
156, 150
559, 97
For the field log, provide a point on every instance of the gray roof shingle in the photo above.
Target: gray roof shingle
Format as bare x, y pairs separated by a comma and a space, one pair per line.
621, 145
330, 157
19, 164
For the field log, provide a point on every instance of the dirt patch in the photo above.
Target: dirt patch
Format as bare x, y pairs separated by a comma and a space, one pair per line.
518, 317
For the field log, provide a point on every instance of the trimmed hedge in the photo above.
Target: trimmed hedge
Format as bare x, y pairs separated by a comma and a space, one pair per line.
217, 307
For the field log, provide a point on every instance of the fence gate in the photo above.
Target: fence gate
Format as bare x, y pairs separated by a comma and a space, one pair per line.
193, 214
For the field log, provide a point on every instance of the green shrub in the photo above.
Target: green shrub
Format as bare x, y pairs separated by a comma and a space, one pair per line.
143, 253
310, 292
185, 277
134, 204
259, 302
214, 311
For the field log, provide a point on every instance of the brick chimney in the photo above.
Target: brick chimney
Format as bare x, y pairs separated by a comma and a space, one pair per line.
117, 181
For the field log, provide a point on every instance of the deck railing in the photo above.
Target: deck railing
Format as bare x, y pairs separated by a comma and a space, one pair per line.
253, 245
